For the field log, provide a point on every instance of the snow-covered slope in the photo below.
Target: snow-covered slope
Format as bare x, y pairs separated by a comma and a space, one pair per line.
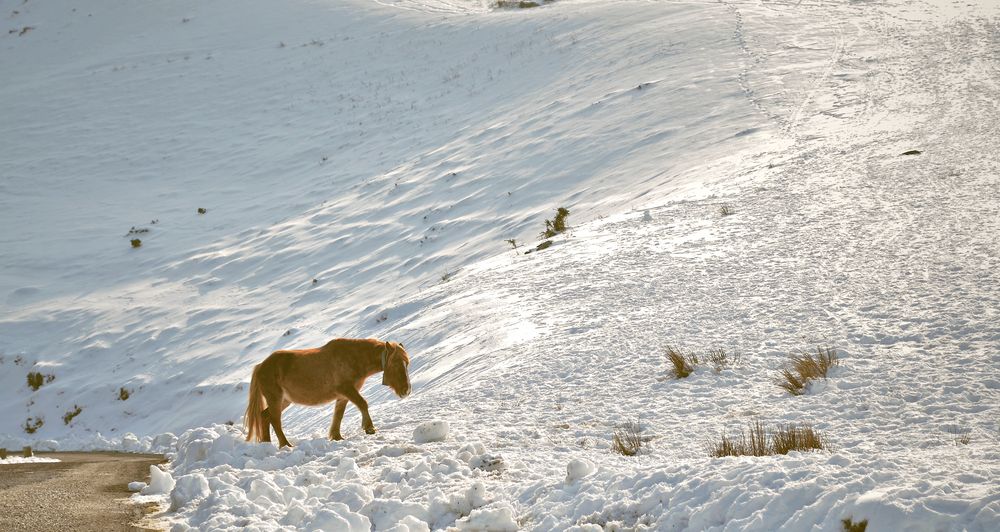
372, 149
386, 151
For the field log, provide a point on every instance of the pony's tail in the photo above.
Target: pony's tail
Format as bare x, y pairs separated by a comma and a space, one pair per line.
253, 419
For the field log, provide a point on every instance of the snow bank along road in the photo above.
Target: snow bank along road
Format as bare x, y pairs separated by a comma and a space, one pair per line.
796, 115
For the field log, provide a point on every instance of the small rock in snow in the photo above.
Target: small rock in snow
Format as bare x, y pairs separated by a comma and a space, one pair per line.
430, 431
646, 217
488, 462
136, 486
577, 469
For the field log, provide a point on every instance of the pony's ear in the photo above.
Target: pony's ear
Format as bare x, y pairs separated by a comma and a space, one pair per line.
401, 345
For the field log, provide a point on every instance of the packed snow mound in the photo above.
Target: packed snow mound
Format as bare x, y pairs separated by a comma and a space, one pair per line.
160, 482
495, 518
430, 431
577, 469
223, 482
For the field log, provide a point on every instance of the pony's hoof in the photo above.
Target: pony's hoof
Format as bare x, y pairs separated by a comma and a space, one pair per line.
370, 430
336, 437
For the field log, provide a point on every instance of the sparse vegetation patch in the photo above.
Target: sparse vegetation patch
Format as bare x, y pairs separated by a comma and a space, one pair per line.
68, 416
32, 424
123, 394
36, 380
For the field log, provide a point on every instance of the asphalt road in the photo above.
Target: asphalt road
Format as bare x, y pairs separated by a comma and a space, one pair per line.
85, 491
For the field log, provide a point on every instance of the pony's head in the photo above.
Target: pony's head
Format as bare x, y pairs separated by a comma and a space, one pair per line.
396, 368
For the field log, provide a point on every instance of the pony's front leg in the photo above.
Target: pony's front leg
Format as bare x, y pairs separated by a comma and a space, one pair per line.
338, 416
366, 420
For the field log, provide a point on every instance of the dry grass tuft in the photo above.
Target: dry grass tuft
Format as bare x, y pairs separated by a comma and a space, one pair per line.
721, 360
806, 367
627, 439
850, 526
961, 436
752, 441
789, 438
759, 440
683, 365
726, 209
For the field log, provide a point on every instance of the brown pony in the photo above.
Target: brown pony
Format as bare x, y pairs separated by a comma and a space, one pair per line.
317, 376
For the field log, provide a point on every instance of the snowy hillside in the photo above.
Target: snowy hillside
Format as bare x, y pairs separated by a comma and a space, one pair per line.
361, 164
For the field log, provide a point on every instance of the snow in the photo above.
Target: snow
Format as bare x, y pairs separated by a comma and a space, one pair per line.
577, 469
160, 482
430, 431
29, 460
498, 519
362, 164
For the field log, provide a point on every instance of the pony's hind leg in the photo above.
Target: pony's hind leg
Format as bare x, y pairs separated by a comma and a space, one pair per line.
266, 435
338, 416
267, 419
274, 415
